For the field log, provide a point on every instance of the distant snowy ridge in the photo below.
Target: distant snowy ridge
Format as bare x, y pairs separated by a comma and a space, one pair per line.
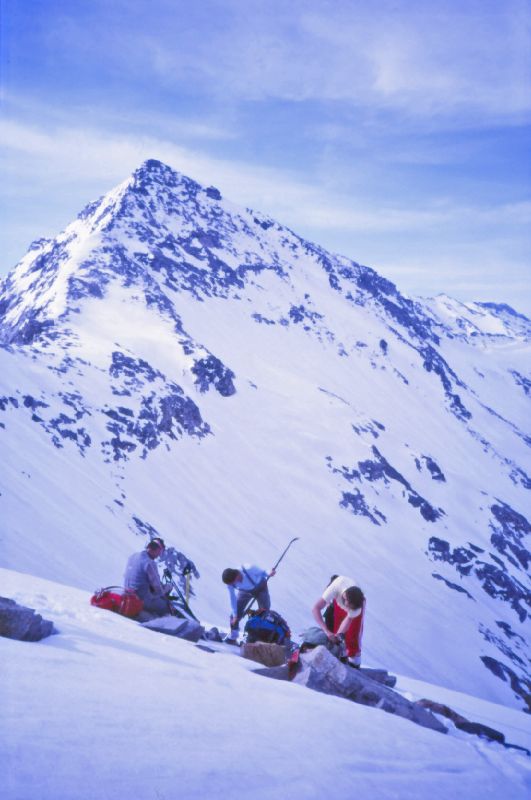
174, 364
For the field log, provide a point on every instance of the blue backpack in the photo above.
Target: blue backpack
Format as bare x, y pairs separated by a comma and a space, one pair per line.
266, 626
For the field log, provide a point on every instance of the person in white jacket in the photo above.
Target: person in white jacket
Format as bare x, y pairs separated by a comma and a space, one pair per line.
346, 601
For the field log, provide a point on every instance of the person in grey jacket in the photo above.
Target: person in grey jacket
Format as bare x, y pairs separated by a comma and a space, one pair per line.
141, 575
246, 584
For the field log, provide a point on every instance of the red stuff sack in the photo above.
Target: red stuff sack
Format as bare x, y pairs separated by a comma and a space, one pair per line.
125, 602
131, 605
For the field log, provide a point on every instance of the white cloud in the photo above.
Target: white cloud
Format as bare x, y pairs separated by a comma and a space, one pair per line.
444, 59
66, 156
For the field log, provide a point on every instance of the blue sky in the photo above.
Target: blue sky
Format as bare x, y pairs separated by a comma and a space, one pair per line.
397, 133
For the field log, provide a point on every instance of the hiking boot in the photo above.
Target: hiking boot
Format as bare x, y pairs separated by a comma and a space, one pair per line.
354, 662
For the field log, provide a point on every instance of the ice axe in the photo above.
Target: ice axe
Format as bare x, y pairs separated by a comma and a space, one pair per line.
295, 539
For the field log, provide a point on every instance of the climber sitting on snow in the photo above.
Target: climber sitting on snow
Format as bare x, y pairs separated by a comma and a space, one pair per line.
141, 575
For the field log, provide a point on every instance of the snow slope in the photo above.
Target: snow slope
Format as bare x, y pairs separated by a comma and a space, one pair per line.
174, 364
109, 709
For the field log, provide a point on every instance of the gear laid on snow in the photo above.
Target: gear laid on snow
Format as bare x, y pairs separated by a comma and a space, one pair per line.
124, 601
266, 626
179, 603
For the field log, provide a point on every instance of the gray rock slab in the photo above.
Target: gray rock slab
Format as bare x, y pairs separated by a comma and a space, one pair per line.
22, 623
321, 671
379, 675
175, 626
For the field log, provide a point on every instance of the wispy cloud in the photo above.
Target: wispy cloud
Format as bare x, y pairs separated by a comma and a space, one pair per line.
443, 60
82, 156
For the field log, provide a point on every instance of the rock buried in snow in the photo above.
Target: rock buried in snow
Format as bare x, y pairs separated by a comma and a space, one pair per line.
22, 623
379, 675
321, 671
268, 654
175, 626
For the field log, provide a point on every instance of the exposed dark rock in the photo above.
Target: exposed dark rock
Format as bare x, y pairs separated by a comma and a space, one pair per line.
356, 503
508, 534
432, 467
259, 318
210, 371
145, 528
463, 724
503, 647
521, 688
174, 626
494, 578
213, 193
22, 623
522, 381
380, 469
508, 631
434, 362
451, 585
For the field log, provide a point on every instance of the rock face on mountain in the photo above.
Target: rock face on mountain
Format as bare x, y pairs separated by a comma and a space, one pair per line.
171, 363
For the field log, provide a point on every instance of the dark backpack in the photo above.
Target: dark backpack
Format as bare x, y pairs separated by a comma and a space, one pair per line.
266, 626
123, 601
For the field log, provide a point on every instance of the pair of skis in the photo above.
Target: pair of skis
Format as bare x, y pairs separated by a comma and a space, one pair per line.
179, 601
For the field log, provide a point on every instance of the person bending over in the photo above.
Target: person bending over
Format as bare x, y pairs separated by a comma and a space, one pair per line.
344, 605
246, 584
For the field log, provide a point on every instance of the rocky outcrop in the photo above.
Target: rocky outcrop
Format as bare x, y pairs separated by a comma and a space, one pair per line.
22, 623
321, 671
175, 626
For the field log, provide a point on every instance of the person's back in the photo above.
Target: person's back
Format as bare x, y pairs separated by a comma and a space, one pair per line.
141, 575
136, 574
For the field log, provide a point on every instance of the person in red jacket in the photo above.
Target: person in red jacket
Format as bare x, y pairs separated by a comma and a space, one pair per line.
344, 605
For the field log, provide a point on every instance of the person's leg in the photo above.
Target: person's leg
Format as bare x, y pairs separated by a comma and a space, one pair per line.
157, 605
353, 634
262, 596
242, 601
353, 638
328, 617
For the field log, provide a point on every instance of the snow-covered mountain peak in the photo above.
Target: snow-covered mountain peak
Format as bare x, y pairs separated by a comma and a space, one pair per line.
482, 324
185, 366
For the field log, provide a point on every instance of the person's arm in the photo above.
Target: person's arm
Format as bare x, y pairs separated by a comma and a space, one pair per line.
153, 577
345, 624
317, 615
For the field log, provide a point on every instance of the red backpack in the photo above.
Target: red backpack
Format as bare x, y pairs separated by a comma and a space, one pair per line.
124, 601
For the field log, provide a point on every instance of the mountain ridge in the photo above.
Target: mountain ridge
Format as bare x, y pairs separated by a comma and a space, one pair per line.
201, 367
